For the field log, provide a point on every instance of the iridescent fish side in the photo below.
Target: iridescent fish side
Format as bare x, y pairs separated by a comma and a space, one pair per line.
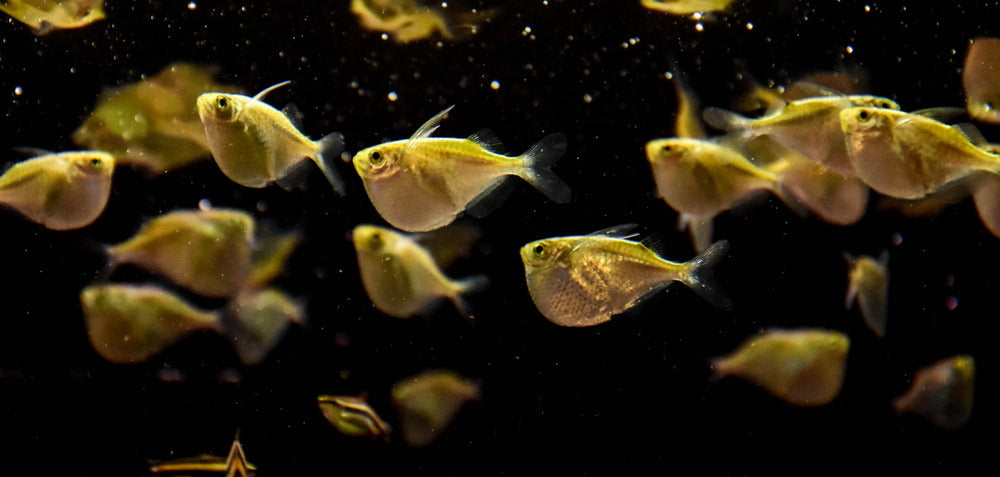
62, 191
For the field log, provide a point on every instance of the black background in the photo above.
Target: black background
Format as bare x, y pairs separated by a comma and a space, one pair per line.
635, 395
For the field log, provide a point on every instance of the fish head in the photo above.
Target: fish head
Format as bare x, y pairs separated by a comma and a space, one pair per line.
93, 163
543, 253
833, 342
220, 107
372, 239
865, 120
377, 161
660, 151
863, 101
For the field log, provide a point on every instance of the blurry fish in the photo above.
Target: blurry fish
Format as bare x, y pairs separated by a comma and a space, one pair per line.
802, 367
47, 15
908, 155
352, 416
942, 393
585, 280
153, 123
62, 191
400, 276
684, 7
427, 403
131, 323
205, 251
986, 195
407, 21
688, 123
233, 465
810, 127
868, 282
981, 79
255, 144
256, 320
423, 183
269, 257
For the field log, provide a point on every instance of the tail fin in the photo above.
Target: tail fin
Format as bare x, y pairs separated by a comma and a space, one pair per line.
725, 120
699, 276
330, 146
537, 162
465, 286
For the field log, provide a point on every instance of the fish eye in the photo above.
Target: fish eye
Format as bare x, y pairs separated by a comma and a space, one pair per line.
863, 115
95, 162
376, 157
375, 241
221, 102
667, 148
539, 249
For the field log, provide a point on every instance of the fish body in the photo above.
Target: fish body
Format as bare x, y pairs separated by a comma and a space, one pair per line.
62, 191
809, 126
585, 280
407, 21
868, 282
428, 402
942, 393
423, 183
907, 155
400, 276
45, 16
352, 415
256, 320
685, 7
981, 80
802, 367
255, 144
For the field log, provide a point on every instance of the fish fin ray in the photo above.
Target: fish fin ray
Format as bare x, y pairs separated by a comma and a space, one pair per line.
621, 231
725, 120
331, 146
491, 197
699, 275
431, 125
486, 139
260, 96
294, 115
537, 162
295, 176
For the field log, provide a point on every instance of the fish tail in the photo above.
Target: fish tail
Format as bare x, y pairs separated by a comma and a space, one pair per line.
699, 228
330, 146
699, 275
537, 162
725, 120
465, 286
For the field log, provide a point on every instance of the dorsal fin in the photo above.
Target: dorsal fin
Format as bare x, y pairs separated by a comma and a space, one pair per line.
972, 133
487, 140
32, 151
294, 115
426, 129
622, 231
263, 92
942, 114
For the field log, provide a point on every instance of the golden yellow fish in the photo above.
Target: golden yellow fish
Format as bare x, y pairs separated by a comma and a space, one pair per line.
62, 191
353, 416
257, 319
255, 144
233, 465
423, 183
802, 367
942, 393
907, 155
868, 282
684, 7
585, 280
427, 403
808, 126
981, 79
400, 276
407, 21
131, 323
45, 16
205, 251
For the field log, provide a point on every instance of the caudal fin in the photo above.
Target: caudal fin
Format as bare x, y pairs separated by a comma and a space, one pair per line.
538, 161
700, 275
465, 286
330, 147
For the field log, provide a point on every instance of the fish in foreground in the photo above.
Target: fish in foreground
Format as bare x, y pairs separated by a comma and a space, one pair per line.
206, 251
256, 320
45, 16
684, 7
868, 282
255, 144
801, 367
400, 276
62, 191
808, 126
981, 79
942, 393
131, 323
233, 465
585, 280
352, 415
909, 155
428, 402
423, 183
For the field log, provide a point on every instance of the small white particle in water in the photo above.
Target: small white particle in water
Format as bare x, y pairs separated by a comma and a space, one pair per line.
18, 91
204, 205
526, 31
697, 15
868, 8
849, 49
261, 206
495, 85
951, 302
633, 41
587, 98
444, 4
385, 36
668, 75
699, 27
393, 96
192, 5
545, 2
897, 238
749, 26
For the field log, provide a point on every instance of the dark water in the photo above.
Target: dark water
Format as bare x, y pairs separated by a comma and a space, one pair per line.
635, 394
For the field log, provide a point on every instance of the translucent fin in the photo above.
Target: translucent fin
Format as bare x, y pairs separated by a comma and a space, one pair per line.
294, 115
942, 114
808, 89
449, 243
490, 198
428, 128
725, 120
487, 140
537, 162
295, 176
264, 92
32, 151
699, 228
466, 286
699, 275
330, 146
623, 231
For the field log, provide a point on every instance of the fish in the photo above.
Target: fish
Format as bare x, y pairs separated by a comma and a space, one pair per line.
909, 155
423, 183
684, 7
401, 278
406, 21
61, 191
255, 144
942, 393
980, 79
428, 402
802, 367
233, 465
585, 280
256, 320
868, 283
45, 16
353, 416
809, 126
205, 251
128, 324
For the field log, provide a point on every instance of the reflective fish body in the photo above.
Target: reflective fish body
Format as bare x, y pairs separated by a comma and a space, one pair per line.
407, 21
255, 144
256, 320
45, 16
868, 282
400, 276
981, 79
353, 416
585, 280
684, 7
428, 402
423, 183
907, 155
942, 393
62, 191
